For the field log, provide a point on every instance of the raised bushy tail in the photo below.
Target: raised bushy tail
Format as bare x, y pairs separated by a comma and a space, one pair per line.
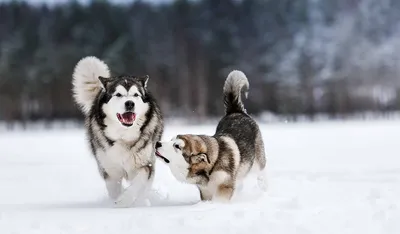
235, 84
86, 83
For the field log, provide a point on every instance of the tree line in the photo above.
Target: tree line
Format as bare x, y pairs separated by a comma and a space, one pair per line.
302, 57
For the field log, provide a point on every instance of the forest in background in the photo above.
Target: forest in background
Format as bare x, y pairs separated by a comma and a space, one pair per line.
303, 57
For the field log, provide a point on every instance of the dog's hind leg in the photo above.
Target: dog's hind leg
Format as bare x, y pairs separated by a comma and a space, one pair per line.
139, 185
262, 180
260, 163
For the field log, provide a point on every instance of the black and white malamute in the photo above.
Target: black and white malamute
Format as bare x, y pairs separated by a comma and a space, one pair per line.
123, 123
218, 164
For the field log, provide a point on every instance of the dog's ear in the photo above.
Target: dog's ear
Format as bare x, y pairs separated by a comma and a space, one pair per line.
143, 80
199, 159
104, 81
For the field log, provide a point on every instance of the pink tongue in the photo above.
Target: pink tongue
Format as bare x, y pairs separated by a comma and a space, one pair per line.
128, 117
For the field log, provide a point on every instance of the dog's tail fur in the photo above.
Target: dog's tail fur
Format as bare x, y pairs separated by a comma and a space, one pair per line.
235, 84
86, 83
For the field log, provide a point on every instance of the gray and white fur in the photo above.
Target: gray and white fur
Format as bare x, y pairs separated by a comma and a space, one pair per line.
123, 122
218, 164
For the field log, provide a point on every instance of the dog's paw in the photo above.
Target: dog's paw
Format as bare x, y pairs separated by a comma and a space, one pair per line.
123, 204
113, 195
125, 200
221, 200
142, 203
262, 183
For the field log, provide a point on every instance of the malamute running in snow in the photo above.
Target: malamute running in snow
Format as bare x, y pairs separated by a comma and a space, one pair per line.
217, 164
123, 123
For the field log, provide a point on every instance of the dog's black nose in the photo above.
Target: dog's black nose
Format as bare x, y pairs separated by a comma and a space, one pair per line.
129, 105
158, 144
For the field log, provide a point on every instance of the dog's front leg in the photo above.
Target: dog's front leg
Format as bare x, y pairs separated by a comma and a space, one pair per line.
205, 194
112, 179
138, 186
223, 186
114, 187
224, 193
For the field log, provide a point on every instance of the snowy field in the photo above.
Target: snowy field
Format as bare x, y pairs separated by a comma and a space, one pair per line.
323, 178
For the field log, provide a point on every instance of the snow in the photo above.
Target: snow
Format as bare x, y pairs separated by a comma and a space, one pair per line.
323, 178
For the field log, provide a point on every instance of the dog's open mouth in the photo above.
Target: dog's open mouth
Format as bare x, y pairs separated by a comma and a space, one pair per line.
162, 157
126, 118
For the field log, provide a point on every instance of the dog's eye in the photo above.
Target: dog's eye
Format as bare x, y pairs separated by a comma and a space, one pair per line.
177, 146
136, 95
118, 95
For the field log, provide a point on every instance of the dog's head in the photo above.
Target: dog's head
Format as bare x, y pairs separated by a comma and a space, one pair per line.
186, 155
125, 98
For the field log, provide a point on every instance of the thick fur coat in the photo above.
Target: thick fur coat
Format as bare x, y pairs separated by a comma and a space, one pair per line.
123, 123
218, 164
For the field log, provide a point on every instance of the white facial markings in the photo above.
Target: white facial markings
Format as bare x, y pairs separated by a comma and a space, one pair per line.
177, 163
178, 144
174, 138
120, 90
134, 91
116, 105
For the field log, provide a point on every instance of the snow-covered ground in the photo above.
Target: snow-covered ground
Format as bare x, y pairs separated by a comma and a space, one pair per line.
323, 178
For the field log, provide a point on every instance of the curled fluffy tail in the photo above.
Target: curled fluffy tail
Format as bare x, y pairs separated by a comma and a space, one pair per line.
235, 84
86, 83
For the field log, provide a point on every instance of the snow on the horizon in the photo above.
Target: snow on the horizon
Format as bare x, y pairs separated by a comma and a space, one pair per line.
323, 178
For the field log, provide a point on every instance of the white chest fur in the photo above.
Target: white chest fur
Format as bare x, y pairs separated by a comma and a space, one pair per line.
122, 161
128, 152
115, 131
116, 160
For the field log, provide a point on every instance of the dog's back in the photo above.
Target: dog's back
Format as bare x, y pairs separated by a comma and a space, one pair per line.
243, 130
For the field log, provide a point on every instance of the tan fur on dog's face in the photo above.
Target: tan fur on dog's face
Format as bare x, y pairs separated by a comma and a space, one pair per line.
186, 156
